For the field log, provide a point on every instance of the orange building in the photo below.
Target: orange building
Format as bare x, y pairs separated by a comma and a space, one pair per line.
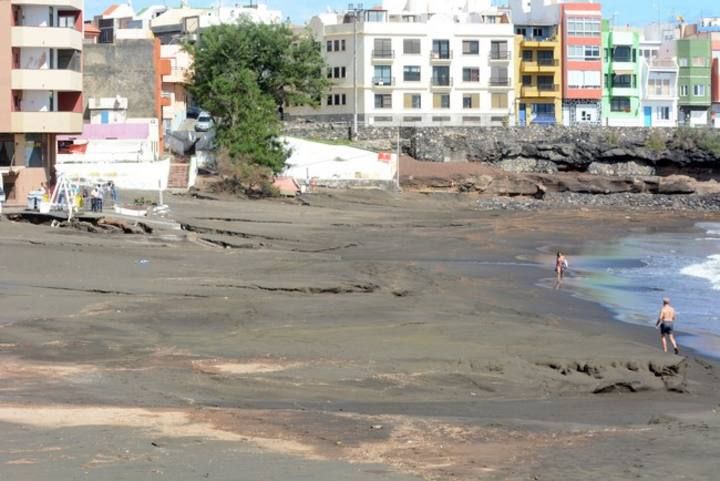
41, 84
582, 63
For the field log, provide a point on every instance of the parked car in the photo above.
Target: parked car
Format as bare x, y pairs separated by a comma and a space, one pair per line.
204, 122
193, 112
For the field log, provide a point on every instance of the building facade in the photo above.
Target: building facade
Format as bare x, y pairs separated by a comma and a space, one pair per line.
709, 29
454, 67
694, 62
581, 63
621, 77
539, 74
659, 78
41, 85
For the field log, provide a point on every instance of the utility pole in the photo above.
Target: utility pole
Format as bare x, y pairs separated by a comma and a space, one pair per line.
397, 166
356, 11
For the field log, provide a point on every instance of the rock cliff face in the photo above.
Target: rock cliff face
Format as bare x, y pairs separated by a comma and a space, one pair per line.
602, 150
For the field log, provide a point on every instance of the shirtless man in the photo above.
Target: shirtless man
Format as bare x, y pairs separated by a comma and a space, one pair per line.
665, 321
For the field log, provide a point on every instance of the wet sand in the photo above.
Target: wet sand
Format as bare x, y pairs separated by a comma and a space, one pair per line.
358, 336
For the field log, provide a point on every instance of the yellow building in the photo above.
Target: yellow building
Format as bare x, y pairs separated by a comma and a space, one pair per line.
538, 67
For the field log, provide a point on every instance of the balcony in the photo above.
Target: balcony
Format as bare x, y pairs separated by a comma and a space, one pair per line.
499, 56
60, 4
499, 82
540, 66
441, 57
46, 37
438, 83
47, 122
663, 64
379, 56
383, 81
540, 42
177, 75
47, 79
542, 90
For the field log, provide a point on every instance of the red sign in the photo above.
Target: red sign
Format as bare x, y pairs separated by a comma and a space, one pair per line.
384, 157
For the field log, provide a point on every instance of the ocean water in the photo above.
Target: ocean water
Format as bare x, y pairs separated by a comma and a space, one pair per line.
632, 276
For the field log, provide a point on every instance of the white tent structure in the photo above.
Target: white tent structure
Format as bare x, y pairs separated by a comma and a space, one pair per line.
337, 164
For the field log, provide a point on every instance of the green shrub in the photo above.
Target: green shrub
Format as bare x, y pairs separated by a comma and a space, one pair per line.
655, 142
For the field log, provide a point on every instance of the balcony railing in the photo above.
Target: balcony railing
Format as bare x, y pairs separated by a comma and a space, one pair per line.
663, 63
548, 62
383, 54
441, 55
499, 55
499, 82
548, 87
442, 81
383, 81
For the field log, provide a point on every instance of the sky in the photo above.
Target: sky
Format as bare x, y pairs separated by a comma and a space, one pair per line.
633, 12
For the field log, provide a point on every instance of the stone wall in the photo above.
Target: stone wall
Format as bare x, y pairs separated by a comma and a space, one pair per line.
596, 150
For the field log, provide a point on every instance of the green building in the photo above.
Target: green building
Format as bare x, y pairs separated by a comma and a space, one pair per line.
694, 59
621, 77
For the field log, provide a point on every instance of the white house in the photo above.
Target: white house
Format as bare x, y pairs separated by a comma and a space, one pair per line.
418, 62
659, 73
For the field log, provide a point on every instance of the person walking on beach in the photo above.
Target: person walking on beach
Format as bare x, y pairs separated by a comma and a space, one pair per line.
665, 321
561, 265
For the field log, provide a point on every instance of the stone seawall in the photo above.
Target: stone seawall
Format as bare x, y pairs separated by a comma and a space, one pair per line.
603, 151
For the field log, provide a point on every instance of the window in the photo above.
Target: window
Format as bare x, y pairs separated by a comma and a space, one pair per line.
683, 62
584, 52
622, 53
499, 50
329, 100
338, 72
659, 87
344, 99
663, 113
527, 80
499, 76
699, 90
471, 74
336, 45
583, 27
337, 99
527, 55
411, 46
329, 72
383, 101
471, 101
545, 57
683, 90
441, 49
544, 109
412, 101
383, 48
441, 76
411, 73
592, 79
623, 81
583, 79
471, 47
342, 45
699, 62
441, 101
328, 46
499, 101
545, 82
382, 75
620, 104
66, 21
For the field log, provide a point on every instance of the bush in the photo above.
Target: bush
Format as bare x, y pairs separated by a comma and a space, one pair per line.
612, 138
244, 177
702, 139
655, 142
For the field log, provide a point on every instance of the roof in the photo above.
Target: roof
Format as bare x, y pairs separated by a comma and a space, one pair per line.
91, 28
175, 16
109, 10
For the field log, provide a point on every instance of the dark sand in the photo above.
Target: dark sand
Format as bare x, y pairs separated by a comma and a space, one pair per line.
362, 337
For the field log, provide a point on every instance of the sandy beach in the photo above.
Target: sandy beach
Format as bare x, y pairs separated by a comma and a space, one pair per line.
354, 336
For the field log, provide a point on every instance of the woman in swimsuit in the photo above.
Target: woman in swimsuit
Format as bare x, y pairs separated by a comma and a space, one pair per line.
560, 266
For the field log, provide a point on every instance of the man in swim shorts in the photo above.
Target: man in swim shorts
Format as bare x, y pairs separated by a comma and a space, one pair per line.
665, 322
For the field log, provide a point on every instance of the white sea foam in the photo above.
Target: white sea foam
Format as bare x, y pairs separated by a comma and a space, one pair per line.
709, 270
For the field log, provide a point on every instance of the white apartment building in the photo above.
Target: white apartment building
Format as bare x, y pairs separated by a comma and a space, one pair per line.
659, 73
418, 62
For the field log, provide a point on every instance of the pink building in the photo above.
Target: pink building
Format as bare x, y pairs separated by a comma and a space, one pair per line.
582, 62
40, 88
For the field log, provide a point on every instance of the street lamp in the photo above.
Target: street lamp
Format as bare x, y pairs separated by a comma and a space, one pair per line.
356, 11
